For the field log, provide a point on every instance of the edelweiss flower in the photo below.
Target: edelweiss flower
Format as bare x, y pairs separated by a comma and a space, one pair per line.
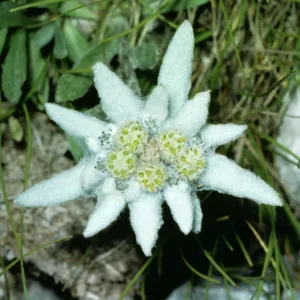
153, 151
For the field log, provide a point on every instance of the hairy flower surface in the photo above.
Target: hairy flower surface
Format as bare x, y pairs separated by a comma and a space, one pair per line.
150, 152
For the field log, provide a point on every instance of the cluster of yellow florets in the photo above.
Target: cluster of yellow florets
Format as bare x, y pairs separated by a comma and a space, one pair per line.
151, 176
139, 152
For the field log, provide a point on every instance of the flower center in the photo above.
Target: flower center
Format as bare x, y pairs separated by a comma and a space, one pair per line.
153, 159
132, 136
190, 163
152, 176
121, 163
171, 143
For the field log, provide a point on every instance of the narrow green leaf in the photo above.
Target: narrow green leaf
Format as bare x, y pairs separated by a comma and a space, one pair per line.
16, 129
76, 43
60, 48
9, 19
44, 35
3, 34
38, 71
15, 67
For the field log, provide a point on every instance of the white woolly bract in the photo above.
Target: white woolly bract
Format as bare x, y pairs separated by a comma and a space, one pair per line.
60, 188
106, 211
156, 106
225, 176
198, 215
176, 69
221, 134
133, 191
117, 99
91, 176
73, 122
146, 219
178, 198
192, 115
289, 137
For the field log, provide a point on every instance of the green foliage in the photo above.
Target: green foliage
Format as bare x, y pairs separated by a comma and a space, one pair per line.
73, 86
8, 19
15, 67
145, 56
16, 129
3, 33
76, 42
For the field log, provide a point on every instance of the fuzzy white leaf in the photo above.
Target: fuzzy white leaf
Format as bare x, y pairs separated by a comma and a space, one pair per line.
176, 69
192, 116
198, 215
117, 99
221, 134
106, 211
146, 219
157, 105
178, 197
73, 122
60, 188
225, 176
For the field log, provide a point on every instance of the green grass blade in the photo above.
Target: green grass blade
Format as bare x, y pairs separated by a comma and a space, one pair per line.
197, 272
137, 276
246, 254
36, 4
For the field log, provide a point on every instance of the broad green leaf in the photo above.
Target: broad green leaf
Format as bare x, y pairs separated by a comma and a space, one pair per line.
3, 34
15, 67
73, 86
145, 56
12, 19
76, 43
16, 129
70, 9
60, 48
44, 35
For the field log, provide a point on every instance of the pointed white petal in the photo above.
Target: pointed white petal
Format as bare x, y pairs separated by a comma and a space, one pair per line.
60, 188
106, 211
198, 215
221, 134
133, 191
117, 99
157, 105
93, 172
192, 115
146, 219
176, 69
179, 200
73, 122
225, 176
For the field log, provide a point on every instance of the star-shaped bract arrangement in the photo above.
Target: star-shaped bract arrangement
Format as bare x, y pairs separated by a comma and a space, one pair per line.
153, 151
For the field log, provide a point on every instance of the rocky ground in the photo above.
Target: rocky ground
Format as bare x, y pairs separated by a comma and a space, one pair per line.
89, 269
